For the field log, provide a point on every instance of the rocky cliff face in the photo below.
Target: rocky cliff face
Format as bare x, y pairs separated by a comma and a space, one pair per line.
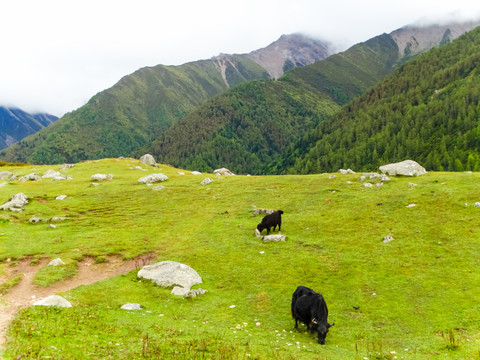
290, 51
412, 40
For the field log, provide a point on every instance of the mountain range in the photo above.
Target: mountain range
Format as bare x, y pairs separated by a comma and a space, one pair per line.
141, 106
15, 124
239, 111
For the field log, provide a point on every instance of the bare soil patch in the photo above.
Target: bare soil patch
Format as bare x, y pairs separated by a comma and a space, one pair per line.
26, 293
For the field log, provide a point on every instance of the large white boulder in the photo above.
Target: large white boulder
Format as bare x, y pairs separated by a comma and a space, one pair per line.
153, 178
54, 300
405, 168
148, 159
16, 203
169, 273
223, 172
101, 177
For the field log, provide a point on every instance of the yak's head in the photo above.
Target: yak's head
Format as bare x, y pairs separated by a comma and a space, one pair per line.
261, 227
321, 329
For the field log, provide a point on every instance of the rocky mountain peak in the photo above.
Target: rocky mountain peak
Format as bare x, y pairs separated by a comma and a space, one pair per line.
290, 51
413, 39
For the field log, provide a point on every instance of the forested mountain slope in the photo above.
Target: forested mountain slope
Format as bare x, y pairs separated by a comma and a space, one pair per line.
15, 124
251, 128
141, 106
428, 111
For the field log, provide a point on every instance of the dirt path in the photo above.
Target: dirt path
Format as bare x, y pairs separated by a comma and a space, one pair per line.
25, 293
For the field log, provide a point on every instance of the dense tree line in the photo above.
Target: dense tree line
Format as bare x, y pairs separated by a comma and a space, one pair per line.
427, 111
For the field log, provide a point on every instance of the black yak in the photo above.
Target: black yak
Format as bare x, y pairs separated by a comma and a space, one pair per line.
310, 308
271, 220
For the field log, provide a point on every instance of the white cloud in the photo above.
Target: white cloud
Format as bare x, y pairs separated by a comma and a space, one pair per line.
57, 53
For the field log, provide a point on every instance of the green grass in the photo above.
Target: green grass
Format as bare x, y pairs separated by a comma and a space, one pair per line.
49, 275
10, 283
417, 296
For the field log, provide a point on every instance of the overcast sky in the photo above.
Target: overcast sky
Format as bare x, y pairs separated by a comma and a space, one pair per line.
57, 54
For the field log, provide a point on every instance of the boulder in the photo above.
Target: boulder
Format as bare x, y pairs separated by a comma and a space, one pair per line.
131, 306
16, 203
101, 177
169, 273
274, 237
56, 262
32, 176
263, 211
405, 168
54, 300
5, 175
345, 172
206, 181
223, 172
148, 159
52, 174
196, 173
153, 178
66, 166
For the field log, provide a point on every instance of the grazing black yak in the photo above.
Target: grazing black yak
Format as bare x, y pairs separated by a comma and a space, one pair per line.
271, 220
310, 308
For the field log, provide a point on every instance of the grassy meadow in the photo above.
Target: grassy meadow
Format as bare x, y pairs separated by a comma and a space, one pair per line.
416, 297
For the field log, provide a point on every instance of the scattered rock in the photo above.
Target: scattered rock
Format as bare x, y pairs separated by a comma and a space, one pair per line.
196, 173
223, 172
263, 211
101, 177
168, 273
477, 204
367, 185
52, 174
54, 300
405, 168
332, 176
410, 184
187, 292
156, 188
51, 226
345, 172
32, 177
148, 159
206, 181
66, 166
61, 197
180, 173
411, 205
16, 203
277, 237
131, 306
35, 220
5, 175
379, 185
153, 178
388, 238
384, 177
58, 218
56, 262
257, 233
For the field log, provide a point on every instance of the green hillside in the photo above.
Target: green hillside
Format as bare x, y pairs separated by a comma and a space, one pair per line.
427, 111
255, 124
132, 113
415, 297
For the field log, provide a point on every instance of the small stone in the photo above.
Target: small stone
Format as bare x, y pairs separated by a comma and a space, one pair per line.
388, 238
131, 306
